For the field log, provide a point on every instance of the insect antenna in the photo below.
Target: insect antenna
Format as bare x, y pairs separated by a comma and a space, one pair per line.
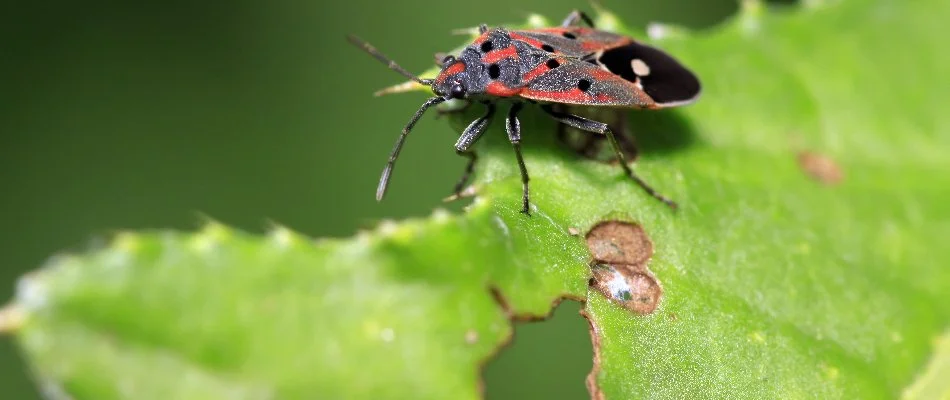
368, 48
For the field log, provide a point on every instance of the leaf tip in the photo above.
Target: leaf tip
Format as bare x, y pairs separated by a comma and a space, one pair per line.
606, 19
537, 21
404, 87
815, 4
441, 215
388, 227
470, 191
751, 7
660, 31
31, 293
11, 318
126, 242
212, 234
931, 382
750, 13
283, 237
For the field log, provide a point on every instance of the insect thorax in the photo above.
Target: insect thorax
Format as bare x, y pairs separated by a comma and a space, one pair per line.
492, 59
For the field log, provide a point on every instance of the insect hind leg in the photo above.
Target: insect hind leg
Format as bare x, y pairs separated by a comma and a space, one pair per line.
602, 128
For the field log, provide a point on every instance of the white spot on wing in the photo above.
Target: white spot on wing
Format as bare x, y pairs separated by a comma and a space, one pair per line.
639, 67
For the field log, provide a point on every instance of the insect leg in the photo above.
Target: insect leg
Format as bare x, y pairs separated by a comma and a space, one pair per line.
602, 128
388, 171
513, 127
584, 145
469, 136
575, 17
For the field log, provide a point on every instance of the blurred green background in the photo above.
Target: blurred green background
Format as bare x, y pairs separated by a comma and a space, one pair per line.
135, 115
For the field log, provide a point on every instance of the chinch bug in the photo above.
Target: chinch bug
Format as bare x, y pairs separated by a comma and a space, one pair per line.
570, 64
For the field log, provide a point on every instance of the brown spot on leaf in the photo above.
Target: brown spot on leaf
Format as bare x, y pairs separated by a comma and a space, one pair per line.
820, 167
618, 242
633, 288
620, 252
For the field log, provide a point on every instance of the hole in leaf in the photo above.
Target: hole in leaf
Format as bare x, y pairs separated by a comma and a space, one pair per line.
549, 359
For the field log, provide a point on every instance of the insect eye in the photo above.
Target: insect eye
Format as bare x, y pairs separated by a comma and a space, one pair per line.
448, 59
457, 91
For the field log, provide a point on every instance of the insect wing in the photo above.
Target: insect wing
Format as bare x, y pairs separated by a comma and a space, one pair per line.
584, 83
658, 74
570, 41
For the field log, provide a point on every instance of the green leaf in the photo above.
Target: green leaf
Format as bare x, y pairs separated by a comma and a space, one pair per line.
773, 284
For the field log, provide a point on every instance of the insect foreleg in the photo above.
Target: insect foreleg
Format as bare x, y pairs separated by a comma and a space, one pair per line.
469, 136
388, 171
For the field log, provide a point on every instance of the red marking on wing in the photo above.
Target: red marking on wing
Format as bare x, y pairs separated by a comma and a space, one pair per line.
588, 39
534, 73
499, 89
600, 74
603, 98
500, 54
573, 96
579, 31
481, 38
530, 41
576, 96
452, 70
593, 46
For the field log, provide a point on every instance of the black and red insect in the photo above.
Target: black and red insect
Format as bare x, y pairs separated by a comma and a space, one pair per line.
570, 64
